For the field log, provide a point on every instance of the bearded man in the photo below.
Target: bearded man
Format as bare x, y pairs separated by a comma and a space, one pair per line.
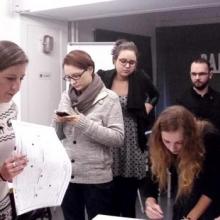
202, 100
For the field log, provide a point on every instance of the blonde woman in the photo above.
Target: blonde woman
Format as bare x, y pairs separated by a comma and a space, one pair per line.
190, 150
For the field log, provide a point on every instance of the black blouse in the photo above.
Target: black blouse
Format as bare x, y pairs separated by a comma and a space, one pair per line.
140, 91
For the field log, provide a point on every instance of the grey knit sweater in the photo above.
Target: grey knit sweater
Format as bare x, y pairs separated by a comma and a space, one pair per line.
89, 143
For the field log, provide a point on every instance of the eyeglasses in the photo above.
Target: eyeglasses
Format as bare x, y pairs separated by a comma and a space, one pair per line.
199, 74
125, 61
73, 77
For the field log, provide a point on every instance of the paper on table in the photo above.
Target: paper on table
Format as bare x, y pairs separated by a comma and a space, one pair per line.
45, 179
109, 217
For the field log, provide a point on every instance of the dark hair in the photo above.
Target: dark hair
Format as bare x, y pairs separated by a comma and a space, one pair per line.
123, 44
202, 60
11, 54
80, 59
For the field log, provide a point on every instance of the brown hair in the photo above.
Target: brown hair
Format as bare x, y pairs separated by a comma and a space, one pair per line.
190, 159
11, 54
123, 44
202, 60
80, 59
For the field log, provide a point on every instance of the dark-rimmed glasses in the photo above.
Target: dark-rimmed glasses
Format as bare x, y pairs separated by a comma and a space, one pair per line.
73, 77
199, 74
125, 61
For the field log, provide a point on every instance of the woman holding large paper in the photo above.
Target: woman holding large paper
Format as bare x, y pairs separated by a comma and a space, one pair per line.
93, 126
13, 62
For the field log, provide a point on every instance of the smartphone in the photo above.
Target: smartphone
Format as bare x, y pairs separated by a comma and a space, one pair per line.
62, 114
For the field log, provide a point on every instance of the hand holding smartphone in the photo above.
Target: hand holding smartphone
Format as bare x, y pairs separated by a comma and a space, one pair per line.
62, 114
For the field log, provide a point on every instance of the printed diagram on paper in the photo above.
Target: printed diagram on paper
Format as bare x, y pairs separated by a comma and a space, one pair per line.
45, 179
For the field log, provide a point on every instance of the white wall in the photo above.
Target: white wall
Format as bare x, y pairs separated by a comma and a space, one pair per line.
10, 22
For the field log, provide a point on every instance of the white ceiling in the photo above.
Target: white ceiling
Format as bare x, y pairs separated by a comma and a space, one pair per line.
119, 8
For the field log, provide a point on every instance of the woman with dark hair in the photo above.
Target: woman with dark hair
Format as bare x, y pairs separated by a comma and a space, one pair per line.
13, 63
138, 97
93, 126
190, 150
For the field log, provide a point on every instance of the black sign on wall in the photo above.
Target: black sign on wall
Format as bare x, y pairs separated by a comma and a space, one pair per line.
176, 48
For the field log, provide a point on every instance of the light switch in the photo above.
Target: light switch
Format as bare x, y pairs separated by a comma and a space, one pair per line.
45, 76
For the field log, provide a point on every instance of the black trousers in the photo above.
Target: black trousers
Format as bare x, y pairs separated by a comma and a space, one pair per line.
95, 198
32, 215
125, 194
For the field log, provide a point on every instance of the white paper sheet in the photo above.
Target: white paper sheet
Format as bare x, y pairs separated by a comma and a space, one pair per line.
108, 217
45, 179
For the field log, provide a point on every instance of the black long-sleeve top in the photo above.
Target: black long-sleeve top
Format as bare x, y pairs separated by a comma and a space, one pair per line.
207, 183
204, 107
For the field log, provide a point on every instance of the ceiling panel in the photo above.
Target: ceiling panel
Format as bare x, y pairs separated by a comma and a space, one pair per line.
118, 8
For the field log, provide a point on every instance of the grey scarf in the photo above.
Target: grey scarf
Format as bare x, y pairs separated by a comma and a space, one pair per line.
84, 100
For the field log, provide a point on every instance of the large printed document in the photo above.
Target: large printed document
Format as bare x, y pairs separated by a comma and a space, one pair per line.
45, 179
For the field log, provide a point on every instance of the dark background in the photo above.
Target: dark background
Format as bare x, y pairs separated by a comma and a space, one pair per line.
176, 48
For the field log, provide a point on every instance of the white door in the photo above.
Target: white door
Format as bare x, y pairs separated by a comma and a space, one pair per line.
43, 80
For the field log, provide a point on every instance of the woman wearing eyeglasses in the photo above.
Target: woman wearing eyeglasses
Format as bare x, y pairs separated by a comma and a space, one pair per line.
93, 126
138, 96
